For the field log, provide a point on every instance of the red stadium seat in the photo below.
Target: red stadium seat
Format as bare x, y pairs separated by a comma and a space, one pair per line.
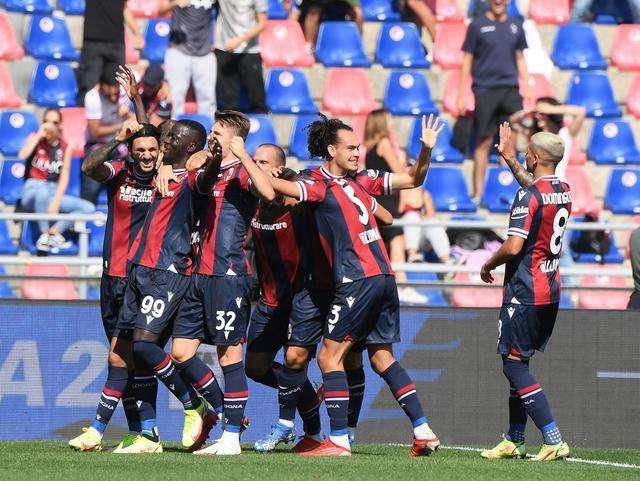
447, 47
475, 296
144, 8
48, 289
582, 192
10, 49
539, 86
8, 96
74, 123
347, 92
594, 299
633, 99
132, 56
449, 11
451, 94
550, 11
576, 155
282, 44
626, 47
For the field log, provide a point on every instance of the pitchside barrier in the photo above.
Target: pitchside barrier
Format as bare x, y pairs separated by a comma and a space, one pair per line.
53, 362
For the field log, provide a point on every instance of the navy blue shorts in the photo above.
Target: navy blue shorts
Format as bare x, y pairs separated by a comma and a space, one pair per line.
308, 313
366, 312
152, 298
215, 310
111, 299
269, 327
522, 330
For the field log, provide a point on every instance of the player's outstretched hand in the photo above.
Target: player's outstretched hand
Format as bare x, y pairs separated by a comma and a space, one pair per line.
237, 148
431, 128
126, 79
485, 274
163, 177
128, 129
506, 145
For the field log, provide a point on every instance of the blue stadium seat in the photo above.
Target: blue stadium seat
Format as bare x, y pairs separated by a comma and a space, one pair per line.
276, 10
48, 39
7, 247
565, 301
156, 37
261, 132
399, 46
11, 180
5, 288
288, 92
93, 293
74, 177
28, 6
30, 234
623, 192
102, 198
611, 12
593, 91
449, 190
576, 47
380, 10
53, 85
435, 296
96, 236
205, 120
500, 188
612, 142
299, 134
15, 126
72, 7
612, 257
339, 45
442, 152
408, 93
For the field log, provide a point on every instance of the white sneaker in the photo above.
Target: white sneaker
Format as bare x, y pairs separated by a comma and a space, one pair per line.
42, 243
408, 295
228, 445
57, 242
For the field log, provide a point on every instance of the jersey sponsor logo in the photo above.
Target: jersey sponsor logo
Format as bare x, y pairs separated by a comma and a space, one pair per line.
556, 198
277, 226
369, 236
488, 28
520, 212
550, 265
135, 195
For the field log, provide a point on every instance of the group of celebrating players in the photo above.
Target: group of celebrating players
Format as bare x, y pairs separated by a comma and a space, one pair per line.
181, 210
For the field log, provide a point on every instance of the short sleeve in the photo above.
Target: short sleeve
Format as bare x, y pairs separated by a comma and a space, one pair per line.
375, 182
261, 6
521, 42
374, 205
470, 39
522, 211
311, 191
92, 105
115, 168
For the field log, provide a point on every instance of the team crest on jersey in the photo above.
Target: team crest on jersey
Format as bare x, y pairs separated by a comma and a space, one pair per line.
514, 28
372, 173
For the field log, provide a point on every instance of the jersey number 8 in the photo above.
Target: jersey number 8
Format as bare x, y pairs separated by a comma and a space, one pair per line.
559, 225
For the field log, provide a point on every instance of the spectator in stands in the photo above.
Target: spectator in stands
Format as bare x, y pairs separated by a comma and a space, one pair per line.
154, 92
634, 253
189, 58
103, 40
311, 13
493, 57
105, 116
383, 156
238, 54
581, 11
421, 13
47, 169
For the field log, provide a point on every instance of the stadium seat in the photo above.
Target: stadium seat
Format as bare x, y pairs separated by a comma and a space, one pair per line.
347, 92
407, 93
474, 296
633, 99
102, 198
75, 7
593, 91
576, 47
435, 296
539, 86
443, 150
282, 44
276, 10
96, 236
48, 289
612, 142
613, 256
449, 190
260, 132
27, 6
583, 199
450, 100
93, 293
30, 234
7, 246
447, 49
339, 45
75, 174
611, 12
15, 127
623, 192
399, 46
48, 39
380, 10
11, 180
9, 99
625, 48
10, 48
132, 56
500, 188
5, 288
288, 93
74, 121
156, 37
449, 11
144, 8
605, 299
576, 155
299, 134
205, 120
53, 85
546, 12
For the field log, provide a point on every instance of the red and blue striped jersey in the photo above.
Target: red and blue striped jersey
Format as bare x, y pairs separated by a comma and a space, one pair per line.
539, 214
346, 226
129, 196
164, 241
224, 218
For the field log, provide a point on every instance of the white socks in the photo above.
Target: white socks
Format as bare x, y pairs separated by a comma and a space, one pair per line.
423, 432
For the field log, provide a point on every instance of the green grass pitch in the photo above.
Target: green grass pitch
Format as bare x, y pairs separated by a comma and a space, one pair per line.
46, 460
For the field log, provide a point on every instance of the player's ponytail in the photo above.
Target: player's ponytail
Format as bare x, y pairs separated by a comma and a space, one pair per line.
323, 133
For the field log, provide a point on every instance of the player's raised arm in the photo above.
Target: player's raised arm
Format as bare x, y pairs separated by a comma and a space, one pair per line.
126, 79
213, 155
506, 149
260, 183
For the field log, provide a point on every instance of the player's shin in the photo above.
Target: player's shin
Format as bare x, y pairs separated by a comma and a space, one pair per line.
198, 374
116, 383
236, 393
517, 418
145, 391
336, 399
129, 406
355, 379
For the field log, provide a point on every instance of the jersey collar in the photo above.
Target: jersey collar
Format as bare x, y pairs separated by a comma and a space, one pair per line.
329, 175
546, 177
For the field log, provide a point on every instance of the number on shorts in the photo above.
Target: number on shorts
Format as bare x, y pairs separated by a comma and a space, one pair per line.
335, 314
153, 306
363, 217
226, 324
559, 225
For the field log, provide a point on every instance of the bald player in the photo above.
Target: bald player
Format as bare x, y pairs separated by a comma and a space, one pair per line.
539, 216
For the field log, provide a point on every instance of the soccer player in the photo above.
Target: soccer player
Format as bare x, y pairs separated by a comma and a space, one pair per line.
158, 278
216, 307
539, 216
364, 310
129, 192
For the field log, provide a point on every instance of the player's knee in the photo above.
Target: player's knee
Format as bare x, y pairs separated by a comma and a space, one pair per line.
143, 351
296, 357
353, 361
381, 357
510, 367
228, 355
327, 362
255, 370
116, 360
